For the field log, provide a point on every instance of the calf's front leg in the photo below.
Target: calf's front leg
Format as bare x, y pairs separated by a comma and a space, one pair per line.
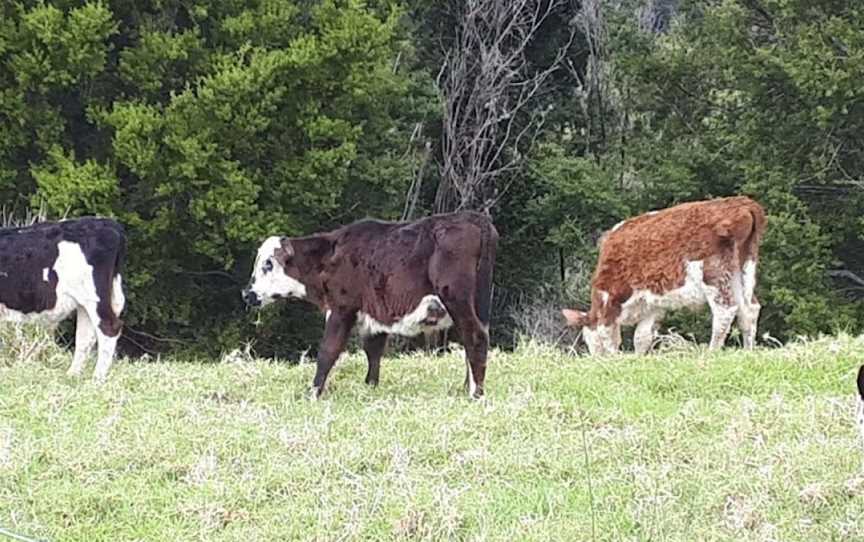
336, 332
643, 337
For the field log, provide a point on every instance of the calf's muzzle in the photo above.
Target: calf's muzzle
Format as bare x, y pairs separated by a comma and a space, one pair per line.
251, 298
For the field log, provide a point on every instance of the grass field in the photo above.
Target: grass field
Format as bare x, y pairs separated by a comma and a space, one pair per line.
684, 445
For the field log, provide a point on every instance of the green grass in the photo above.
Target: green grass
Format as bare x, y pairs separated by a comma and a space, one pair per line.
685, 445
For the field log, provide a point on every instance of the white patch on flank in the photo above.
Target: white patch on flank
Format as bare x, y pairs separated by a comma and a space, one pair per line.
646, 304
267, 285
45, 274
327, 315
409, 325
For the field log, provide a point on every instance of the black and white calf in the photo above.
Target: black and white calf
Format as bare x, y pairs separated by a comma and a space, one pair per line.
52, 269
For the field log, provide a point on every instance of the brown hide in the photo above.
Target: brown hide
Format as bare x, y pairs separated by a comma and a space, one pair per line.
382, 271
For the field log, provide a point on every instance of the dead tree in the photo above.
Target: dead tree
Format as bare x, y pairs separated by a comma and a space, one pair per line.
490, 92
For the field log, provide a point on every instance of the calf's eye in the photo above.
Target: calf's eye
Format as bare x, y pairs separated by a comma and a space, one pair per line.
268, 266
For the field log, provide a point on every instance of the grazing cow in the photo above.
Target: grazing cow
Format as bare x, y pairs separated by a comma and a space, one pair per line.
680, 257
51, 269
388, 278
859, 411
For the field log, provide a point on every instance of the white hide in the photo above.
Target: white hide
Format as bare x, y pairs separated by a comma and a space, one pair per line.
268, 285
748, 279
602, 339
748, 311
76, 291
409, 325
645, 308
118, 299
645, 303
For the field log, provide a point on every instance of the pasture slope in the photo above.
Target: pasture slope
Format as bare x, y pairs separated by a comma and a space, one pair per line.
681, 446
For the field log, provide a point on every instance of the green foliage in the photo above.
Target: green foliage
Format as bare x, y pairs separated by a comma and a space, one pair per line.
739, 98
205, 127
66, 186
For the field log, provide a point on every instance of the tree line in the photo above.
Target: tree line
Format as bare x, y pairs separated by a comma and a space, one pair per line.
207, 125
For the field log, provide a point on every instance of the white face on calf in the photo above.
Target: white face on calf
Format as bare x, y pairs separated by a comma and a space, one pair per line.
600, 339
270, 279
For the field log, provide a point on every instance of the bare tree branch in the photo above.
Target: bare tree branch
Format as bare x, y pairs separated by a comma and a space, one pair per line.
490, 97
846, 274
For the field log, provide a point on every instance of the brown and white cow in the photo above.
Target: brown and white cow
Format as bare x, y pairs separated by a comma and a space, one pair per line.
51, 269
680, 257
387, 278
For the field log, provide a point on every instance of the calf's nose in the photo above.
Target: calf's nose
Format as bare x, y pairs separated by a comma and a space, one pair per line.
251, 298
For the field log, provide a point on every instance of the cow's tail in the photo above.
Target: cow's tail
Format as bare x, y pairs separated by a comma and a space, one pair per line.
485, 268
751, 244
746, 238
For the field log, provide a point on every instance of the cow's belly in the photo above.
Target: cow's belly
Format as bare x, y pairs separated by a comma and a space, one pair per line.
429, 315
61, 310
645, 303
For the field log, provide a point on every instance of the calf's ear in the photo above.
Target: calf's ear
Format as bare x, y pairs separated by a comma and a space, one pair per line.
575, 318
285, 252
287, 246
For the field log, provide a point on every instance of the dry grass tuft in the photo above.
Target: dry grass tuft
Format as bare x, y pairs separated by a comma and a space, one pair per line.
29, 343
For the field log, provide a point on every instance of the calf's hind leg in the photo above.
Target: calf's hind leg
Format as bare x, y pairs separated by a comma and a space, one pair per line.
722, 314
748, 315
476, 340
374, 346
107, 330
104, 316
748, 305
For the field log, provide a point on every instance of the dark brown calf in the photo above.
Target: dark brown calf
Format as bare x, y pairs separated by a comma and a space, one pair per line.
388, 278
